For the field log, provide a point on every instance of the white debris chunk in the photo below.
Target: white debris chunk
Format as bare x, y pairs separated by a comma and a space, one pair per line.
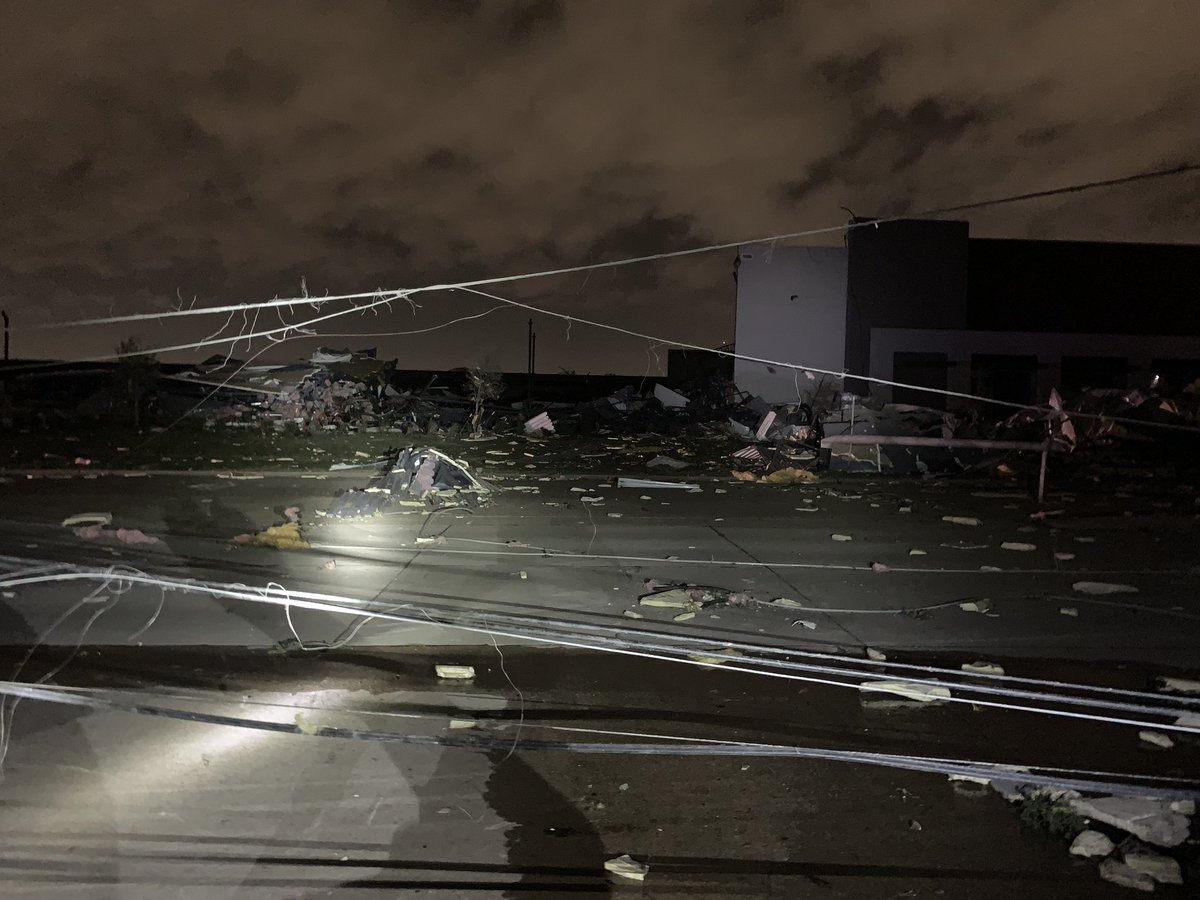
1064, 557
787, 603
1157, 738
88, 518
923, 693
976, 606
1119, 873
669, 398
841, 537
625, 866
961, 520
462, 723
1100, 588
876, 655
1184, 807
1018, 546
647, 484
1091, 843
630, 614
983, 668
916, 552
1152, 821
463, 673
1178, 685
539, 424
1069, 611
1161, 868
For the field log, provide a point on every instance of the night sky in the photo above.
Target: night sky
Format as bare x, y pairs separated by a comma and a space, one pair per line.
222, 152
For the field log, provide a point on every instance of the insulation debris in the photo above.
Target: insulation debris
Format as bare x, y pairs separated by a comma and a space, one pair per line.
281, 537
453, 672
539, 424
417, 474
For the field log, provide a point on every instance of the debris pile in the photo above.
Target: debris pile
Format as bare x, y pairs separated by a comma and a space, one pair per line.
416, 477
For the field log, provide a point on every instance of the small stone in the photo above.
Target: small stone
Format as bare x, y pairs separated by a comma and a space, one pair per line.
1119, 873
875, 655
1091, 843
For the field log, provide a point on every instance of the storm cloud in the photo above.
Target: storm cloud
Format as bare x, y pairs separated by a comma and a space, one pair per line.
220, 152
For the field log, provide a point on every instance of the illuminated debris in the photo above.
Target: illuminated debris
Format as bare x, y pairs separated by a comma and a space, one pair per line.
539, 424
457, 673
983, 668
124, 535
961, 520
668, 462
646, 484
90, 518
414, 475
625, 866
280, 537
690, 597
921, 693
669, 398
1157, 738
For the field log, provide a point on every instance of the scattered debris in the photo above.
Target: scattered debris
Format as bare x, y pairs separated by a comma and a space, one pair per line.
1178, 685
983, 668
644, 484
625, 866
960, 520
1150, 820
539, 424
458, 673
1101, 588
728, 654
916, 552
1064, 557
668, 398
876, 655
790, 475
630, 614
805, 623
1071, 611
281, 537
124, 535
1157, 738
1018, 546
331, 564
667, 462
424, 475
976, 606
91, 518
879, 567
786, 603
922, 693
841, 537
1091, 843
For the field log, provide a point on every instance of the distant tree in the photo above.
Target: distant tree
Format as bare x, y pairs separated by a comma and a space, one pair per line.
484, 386
134, 374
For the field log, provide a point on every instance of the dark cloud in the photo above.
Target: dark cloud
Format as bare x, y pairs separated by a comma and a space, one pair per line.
885, 143
535, 18
224, 151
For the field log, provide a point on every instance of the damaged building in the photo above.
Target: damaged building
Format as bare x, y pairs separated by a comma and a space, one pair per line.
921, 302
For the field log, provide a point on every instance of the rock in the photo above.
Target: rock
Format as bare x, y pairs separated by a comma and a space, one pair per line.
1151, 820
875, 655
1091, 843
1142, 859
1157, 738
1184, 807
1119, 873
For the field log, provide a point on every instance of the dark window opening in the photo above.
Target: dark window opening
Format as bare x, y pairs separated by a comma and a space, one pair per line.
1082, 372
1009, 378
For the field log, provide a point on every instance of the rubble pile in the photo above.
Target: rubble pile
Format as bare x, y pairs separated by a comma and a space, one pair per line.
416, 477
